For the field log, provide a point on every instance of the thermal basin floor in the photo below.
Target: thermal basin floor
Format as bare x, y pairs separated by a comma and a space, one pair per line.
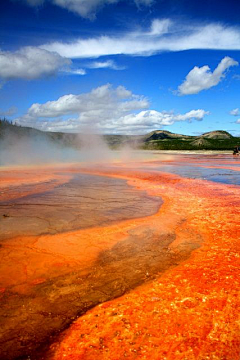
120, 261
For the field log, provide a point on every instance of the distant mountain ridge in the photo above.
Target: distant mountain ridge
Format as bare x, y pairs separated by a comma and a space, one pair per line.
155, 140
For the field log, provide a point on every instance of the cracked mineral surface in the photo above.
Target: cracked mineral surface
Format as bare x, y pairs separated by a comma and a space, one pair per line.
130, 260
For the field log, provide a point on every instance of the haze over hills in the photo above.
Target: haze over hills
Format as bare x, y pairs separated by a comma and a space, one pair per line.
155, 140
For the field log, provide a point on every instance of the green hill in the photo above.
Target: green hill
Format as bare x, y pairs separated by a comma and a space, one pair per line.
214, 140
155, 140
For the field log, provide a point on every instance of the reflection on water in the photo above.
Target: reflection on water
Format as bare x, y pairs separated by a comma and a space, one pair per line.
221, 168
224, 176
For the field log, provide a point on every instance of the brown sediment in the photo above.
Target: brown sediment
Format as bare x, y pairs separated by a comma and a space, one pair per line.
15, 184
55, 303
46, 279
176, 315
81, 201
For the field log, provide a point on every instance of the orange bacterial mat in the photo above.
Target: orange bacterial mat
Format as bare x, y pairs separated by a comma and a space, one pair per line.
154, 275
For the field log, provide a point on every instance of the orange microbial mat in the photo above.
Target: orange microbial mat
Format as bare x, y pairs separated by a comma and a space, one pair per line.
135, 260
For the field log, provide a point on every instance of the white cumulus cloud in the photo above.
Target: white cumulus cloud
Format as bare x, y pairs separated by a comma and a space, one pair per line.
30, 63
201, 78
156, 119
101, 101
106, 109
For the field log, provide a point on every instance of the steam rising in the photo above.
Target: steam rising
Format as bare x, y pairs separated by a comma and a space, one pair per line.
94, 149
40, 149
31, 151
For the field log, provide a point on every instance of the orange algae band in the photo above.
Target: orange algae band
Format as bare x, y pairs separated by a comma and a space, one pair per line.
187, 254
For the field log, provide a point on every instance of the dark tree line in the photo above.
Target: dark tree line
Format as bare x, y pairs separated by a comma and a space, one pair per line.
5, 123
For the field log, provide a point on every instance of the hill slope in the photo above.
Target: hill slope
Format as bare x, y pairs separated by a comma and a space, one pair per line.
218, 134
214, 140
155, 140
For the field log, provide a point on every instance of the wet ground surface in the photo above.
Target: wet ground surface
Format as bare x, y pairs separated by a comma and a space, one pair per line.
44, 289
152, 275
224, 176
83, 201
216, 168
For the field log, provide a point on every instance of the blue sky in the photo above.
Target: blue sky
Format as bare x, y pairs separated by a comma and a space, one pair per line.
121, 67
